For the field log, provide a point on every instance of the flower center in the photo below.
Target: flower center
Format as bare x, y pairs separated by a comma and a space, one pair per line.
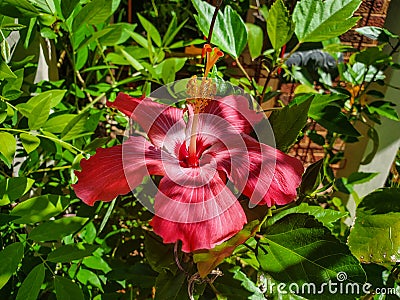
188, 161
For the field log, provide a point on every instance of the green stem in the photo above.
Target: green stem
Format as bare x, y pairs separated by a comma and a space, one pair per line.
90, 105
248, 77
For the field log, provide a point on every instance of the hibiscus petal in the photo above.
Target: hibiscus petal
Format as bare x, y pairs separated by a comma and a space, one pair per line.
156, 119
262, 173
235, 109
199, 214
117, 170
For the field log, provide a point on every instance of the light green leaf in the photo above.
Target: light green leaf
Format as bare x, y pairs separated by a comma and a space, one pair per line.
68, 253
255, 39
318, 20
10, 257
299, 249
18, 9
39, 208
5, 71
54, 97
384, 109
75, 126
39, 114
229, 33
280, 26
288, 122
30, 288
29, 142
8, 148
12, 27
67, 289
169, 67
132, 61
13, 188
94, 12
323, 215
96, 263
151, 30
58, 123
56, 229
375, 236
88, 277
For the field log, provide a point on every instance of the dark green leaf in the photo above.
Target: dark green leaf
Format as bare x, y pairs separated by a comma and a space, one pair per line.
39, 208
375, 236
67, 7
13, 188
68, 253
247, 283
288, 122
255, 39
229, 33
311, 178
280, 26
159, 255
10, 257
300, 249
30, 288
318, 20
56, 229
67, 289
8, 148
29, 142
371, 56
360, 177
171, 287
373, 135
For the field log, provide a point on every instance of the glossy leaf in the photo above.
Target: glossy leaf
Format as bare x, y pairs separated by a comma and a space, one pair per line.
18, 9
70, 252
8, 147
311, 177
318, 20
324, 215
10, 257
75, 126
29, 142
58, 123
229, 33
384, 108
67, 289
288, 122
56, 229
280, 26
39, 208
13, 188
5, 71
375, 236
300, 249
30, 287
255, 41
376, 33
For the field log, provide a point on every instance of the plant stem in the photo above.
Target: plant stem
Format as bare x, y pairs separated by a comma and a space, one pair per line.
248, 78
214, 18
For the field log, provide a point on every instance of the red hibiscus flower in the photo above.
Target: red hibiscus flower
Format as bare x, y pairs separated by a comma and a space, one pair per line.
194, 203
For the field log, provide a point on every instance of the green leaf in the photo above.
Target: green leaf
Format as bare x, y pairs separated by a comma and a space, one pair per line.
311, 178
288, 122
384, 109
88, 277
56, 229
172, 31
54, 97
371, 56
39, 208
18, 9
67, 289
318, 20
8, 148
324, 215
247, 283
75, 126
29, 142
58, 123
13, 188
94, 12
255, 39
159, 255
229, 33
375, 236
39, 114
376, 33
171, 287
299, 249
151, 30
68, 253
10, 258
12, 27
97, 263
280, 26
373, 135
30, 288
5, 71
67, 7
169, 67
360, 177
132, 61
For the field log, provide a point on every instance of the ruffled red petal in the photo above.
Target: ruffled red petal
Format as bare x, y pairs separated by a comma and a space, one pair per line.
156, 119
117, 170
200, 211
